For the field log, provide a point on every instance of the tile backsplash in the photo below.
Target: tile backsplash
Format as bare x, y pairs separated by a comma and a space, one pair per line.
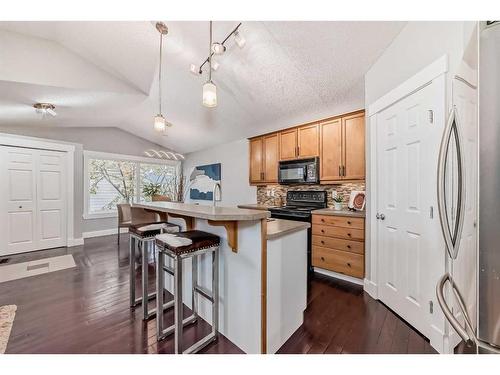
280, 192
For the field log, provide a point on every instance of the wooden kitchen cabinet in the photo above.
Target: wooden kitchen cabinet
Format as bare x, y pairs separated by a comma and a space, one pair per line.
271, 157
354, 147
338, 244
264, 158
342, 148
288, 144
308, 141
331, 150
256, 161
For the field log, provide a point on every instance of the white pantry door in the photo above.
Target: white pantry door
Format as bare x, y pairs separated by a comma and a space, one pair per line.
410, 258
51, 199
32, 199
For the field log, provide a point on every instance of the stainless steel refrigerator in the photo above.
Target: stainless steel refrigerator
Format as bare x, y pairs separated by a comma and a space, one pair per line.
479, 328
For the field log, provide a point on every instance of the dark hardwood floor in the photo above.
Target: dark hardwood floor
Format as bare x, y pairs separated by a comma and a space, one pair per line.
86, 310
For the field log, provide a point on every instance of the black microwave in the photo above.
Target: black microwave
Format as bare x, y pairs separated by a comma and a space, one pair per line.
303, 171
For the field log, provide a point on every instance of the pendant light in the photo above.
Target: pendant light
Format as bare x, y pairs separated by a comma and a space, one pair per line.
209, 88
160, 124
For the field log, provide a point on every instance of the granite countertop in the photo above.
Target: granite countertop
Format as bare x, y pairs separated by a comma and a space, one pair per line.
279, 227
205, 212
256, 206
344, 212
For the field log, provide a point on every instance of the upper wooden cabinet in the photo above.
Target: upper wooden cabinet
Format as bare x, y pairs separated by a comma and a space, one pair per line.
264, 157
288, 144
354, 147
342, 154
331, 150
256, 160
271, 157
308, 141
339, 142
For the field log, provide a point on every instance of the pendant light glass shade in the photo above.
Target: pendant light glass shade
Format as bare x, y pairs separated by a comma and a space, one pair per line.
160, 125
209, 94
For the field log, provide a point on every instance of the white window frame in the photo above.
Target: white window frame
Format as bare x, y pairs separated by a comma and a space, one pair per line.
87, 155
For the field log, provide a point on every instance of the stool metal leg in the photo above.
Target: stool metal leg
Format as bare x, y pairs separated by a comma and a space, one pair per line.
194, 282
131, 249
145, 278
178, 305
215, 292
160, 283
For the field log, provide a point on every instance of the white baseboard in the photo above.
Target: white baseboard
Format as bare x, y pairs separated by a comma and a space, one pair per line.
103, 232
371, 288
75, 242
340, 276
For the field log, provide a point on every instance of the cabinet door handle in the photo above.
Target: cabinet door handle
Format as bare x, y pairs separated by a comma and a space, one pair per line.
348, 264
343, 170
322, 259
340, 170
348, 246
322, 242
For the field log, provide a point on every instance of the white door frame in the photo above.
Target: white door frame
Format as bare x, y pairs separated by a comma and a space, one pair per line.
413, 84
42, 144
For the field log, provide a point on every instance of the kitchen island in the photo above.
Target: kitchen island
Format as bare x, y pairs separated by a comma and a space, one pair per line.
256, 315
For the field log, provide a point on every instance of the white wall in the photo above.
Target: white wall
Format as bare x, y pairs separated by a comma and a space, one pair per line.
104, 139
234, 171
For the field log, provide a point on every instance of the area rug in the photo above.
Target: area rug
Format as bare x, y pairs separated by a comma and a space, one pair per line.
7, 314
36, 267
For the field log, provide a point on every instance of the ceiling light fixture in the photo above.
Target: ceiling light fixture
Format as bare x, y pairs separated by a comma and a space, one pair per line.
45, 108
209, 88
218, 49
238, 38
160, 124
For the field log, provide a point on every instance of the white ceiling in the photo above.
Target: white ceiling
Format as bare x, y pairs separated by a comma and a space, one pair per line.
105, 74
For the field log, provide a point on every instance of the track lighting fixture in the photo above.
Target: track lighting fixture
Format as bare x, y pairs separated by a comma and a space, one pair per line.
160, 124
209, 88
218, 48
239, 39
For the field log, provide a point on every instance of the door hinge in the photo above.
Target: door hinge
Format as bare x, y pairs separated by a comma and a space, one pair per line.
431, 307
431, 212
431, 116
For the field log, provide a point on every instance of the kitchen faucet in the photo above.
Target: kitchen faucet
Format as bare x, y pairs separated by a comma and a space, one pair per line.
216, 187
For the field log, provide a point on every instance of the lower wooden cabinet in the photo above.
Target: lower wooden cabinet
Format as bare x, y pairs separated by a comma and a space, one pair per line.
338, 244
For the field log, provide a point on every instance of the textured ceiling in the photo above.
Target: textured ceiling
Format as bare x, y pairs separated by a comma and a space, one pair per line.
104, 74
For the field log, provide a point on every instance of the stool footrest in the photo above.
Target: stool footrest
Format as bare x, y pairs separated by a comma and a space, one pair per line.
201, 344
138, 301
204, 292
168, 269
170, 330
166, 306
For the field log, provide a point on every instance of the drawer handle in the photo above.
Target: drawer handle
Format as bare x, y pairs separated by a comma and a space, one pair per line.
322, 242
322, 259
348, 246
322, 231
349, 234
348, 264
349, 222
322, 220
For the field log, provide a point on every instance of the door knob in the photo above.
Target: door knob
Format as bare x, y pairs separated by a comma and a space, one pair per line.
20, 206
382, 217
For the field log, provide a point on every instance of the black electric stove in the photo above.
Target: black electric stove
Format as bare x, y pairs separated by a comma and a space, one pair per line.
299, 205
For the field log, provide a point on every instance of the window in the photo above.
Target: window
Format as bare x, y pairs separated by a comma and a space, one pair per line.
112, 179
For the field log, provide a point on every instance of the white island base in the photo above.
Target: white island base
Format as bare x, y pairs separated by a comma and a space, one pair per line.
240, 297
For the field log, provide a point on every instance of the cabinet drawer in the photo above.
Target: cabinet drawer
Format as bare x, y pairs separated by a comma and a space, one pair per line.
339, 244
338, 261
339, 221
340, 232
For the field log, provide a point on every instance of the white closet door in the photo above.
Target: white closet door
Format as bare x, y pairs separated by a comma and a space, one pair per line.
32, 200
410, 257
51, 199
18, 196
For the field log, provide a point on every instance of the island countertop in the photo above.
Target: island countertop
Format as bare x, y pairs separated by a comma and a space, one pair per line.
205, 212
257, 206
279, 227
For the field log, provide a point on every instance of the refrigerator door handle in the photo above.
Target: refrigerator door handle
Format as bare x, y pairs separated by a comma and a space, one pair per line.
468, 333
451, 236
462, 332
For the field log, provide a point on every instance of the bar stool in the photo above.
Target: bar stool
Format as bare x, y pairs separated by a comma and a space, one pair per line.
142, 236
180, 246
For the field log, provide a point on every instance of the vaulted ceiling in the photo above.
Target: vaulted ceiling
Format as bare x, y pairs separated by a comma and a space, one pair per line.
105, 74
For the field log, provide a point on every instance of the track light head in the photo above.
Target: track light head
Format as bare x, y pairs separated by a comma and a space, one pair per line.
239, 39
